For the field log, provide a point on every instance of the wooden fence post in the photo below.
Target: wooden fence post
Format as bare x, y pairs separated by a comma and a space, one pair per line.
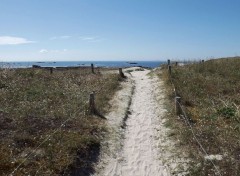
168, 61
177, 105
121, 73
92, 103
92, 67
170, 70
51, 70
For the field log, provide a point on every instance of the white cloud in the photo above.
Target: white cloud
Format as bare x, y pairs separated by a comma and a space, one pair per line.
9, 40
90, 39
43, 51
87, 38
52, 51
63, 37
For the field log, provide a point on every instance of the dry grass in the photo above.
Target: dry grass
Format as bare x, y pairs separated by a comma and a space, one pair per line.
35, 103
211, 97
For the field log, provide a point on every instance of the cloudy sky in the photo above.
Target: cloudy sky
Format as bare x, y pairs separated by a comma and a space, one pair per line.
34, 30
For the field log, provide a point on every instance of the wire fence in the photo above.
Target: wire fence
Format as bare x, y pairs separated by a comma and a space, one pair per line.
81, 110
186, 118
46, 139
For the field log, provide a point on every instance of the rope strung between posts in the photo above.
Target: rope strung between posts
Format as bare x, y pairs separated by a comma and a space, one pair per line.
49, 136
195, 137
191, 128
45, 140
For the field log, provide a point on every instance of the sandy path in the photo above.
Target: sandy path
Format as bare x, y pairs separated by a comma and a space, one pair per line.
143, 149
139, 155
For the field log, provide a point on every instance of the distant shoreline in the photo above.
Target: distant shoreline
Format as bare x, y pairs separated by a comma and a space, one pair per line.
78, 64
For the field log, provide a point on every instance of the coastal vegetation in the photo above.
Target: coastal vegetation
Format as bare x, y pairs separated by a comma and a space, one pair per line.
45, 124
210, 97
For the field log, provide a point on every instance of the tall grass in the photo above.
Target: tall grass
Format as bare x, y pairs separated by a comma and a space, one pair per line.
211, 96
33, 106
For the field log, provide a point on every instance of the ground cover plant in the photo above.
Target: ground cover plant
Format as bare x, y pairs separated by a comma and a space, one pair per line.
45, 125
211, 98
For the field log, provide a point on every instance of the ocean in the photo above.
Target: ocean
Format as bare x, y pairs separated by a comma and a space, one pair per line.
150, 64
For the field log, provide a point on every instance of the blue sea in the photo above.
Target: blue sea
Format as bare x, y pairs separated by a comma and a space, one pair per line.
150, 64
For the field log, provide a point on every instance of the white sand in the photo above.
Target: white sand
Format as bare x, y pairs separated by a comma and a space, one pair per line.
144, 148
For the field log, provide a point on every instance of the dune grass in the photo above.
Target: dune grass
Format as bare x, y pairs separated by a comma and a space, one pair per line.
46, 115
211, 97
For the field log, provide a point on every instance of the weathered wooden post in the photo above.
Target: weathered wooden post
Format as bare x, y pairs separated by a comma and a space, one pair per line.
177, 105
92, 67
121, 73
51, 70
170, 70
92, 103
168, 61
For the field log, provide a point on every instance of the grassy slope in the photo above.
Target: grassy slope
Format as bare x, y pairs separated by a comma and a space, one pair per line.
35, 103
211, 97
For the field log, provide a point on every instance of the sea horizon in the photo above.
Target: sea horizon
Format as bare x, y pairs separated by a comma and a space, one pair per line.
28, 64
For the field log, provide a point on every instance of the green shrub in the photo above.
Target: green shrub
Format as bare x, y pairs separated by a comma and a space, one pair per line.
227, 112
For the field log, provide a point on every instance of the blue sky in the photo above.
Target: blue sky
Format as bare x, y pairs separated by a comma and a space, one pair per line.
118, 29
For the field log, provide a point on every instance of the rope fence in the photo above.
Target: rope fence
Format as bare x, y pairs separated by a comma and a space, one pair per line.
49, 137
92, 111
46, 139
180, 111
